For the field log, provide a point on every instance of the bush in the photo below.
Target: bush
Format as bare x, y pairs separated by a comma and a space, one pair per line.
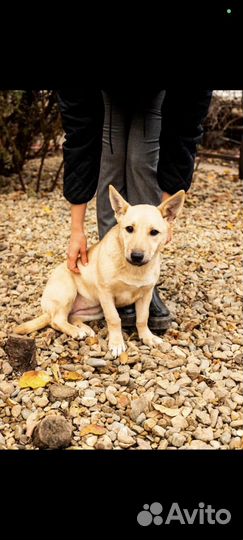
27, 117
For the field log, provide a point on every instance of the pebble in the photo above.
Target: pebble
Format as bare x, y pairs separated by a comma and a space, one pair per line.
41, 401
110, 396
149, 424
215, 444
91, 440
203, 416
16, 410
178, 439
124, 379
220, 354
178, 352
193, 370
6, 368
124, 438
158, 431
172, 389
163, 445
96, 362
225, 437
88, 401
143, 444
204, 434
138, 406
104, 443
179, 422
208, 394
62, 392
7, 388
25, 413
198, 445
235, 443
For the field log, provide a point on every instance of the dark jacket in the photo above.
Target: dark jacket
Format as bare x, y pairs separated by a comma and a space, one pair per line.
82, 112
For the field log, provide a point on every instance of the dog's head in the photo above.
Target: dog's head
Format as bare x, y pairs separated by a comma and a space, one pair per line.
144, 228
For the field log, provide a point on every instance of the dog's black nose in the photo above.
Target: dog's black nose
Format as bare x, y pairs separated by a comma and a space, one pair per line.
137, 257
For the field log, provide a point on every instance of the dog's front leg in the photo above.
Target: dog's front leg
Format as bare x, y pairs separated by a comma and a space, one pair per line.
116, 342
142, 315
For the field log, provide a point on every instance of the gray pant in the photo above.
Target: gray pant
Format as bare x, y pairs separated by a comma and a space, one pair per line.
130, 152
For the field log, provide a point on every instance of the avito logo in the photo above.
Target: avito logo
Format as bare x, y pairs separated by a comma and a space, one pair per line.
203, 514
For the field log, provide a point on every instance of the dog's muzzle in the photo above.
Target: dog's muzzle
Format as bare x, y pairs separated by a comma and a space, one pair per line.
137, 258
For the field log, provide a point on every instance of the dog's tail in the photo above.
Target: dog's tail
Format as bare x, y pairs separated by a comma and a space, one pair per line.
35, 324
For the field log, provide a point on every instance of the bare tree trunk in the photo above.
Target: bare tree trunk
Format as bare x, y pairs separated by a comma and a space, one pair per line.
54, 183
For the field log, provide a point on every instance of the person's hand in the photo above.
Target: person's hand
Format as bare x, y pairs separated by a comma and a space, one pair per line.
77, 249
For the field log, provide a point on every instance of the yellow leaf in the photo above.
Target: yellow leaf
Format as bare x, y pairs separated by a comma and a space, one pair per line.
123, 358
230, 225
47, 209
56, 373
92, 428
34, 379
72, 376
166, 410
49, 254
91, 341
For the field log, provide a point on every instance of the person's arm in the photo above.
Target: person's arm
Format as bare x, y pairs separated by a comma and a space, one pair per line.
183, 112
78, 243
82, 114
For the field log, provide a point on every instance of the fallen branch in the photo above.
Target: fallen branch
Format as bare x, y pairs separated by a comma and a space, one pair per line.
218, 156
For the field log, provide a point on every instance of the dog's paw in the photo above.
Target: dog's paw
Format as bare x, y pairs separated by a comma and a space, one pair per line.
85, 331
152, 340
116, 348
89, 331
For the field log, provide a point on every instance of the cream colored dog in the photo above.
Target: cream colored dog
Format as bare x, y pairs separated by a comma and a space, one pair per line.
123, 268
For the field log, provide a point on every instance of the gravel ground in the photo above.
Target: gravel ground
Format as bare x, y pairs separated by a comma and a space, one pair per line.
185, 394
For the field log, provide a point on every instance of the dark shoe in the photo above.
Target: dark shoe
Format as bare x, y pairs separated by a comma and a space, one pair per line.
128, 315
159, 315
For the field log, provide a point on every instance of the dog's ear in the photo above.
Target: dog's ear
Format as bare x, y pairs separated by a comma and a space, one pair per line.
172, 207
118, 204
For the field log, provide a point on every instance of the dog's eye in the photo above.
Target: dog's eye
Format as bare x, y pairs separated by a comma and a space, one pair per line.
154, 232
129, 229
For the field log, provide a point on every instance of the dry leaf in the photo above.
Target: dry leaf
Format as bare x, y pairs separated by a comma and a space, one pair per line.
211, 176
190, 325
230, 225
34, 379
91, 341
123, 358
72, 376
94, 429
166, 410
56, 373
49, 254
